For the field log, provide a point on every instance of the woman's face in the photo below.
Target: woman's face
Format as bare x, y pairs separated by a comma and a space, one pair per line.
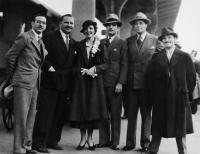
89, 31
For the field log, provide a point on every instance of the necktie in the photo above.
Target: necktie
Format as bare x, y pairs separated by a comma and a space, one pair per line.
107, 42
139, 41
67, 42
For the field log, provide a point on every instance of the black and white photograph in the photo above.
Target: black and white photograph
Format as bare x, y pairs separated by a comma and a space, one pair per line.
99, 77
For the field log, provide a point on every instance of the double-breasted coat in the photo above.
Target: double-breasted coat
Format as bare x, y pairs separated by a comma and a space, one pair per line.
88, 98
171, 84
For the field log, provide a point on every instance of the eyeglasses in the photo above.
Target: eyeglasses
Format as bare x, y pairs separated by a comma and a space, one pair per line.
111, 24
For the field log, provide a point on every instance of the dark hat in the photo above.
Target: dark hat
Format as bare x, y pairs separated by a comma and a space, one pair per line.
113, 18
140, 16
167, 31
87, 23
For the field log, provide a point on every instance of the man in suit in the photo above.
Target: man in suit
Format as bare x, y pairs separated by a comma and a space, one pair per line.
24, 61
56, 86
141, 47
171, 78
113, 79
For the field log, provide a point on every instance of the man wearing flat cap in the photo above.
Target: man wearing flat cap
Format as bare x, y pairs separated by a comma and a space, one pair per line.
141, 47
113, 79
171, 79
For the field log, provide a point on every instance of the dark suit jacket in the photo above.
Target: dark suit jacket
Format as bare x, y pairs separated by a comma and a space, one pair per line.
117, 62
24, 60
138, 60
61, 59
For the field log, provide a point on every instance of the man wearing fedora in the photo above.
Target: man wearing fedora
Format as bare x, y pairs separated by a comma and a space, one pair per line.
24, 60
141, 47
171, 79
113, 79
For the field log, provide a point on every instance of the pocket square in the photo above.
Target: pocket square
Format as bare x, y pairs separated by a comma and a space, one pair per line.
115, 49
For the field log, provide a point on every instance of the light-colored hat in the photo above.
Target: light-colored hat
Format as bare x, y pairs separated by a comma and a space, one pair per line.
140, 16
167, 31
113, 18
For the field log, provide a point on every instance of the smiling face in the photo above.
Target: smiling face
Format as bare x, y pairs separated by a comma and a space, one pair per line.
39, 24
169, 41
140, 26
67, 24
89, 31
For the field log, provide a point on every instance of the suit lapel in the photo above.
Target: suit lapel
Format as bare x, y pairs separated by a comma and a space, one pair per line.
34, 41
60, 43
145, 43
112, 45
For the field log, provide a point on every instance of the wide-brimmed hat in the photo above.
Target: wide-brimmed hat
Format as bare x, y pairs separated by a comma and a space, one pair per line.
87, 23
113, 18
167, 31
140, 16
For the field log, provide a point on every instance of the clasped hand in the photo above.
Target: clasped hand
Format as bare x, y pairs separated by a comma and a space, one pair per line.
91, 72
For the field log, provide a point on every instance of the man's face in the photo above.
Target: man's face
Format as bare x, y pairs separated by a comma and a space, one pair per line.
67, 24
112, 29
140, 26
169, 41
39, 25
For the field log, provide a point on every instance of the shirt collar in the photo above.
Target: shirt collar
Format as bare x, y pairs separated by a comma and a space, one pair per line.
37, 36
64, 35
142, 36
111, 38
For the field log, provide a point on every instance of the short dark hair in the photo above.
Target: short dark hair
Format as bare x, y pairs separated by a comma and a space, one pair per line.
36, 15
65, 15
87, 23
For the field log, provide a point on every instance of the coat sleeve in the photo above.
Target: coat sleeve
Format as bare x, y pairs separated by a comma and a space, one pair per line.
13, 54
123, 64
191, 76
47, 62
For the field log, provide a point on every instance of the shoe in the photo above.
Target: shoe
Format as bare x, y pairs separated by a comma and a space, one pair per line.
114, 147
54, 146
102, 145
144, 150
31, 152
80, 147
128, 148
91, 148
41, 149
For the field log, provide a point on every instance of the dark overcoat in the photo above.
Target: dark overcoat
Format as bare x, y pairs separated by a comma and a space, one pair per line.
170, 85
88, 99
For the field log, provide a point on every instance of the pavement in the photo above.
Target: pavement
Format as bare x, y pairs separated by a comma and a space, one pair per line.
71, 137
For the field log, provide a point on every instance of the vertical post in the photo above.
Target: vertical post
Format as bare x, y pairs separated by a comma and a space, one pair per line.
82, 10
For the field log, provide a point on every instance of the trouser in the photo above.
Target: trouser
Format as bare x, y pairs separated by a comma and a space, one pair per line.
25, 101
114, 105
137, 100
50, 117
180, 141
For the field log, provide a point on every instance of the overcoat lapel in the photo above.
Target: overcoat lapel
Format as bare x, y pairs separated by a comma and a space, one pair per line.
174, 58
